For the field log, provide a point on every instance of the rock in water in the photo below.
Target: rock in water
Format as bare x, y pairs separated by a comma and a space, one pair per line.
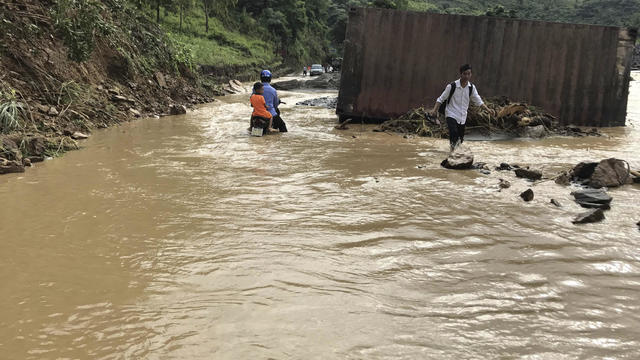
530, 174
288, 85
10, 166
590, 216
503, 167
556, 203
610, 173
592, 198
527, 195
504, 184
458, 160
177, 110
79, 136
534, 132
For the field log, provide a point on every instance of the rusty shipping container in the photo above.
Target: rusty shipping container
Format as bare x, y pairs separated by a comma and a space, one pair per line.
397, 60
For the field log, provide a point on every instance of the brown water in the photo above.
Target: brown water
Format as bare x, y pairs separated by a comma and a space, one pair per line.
184, 238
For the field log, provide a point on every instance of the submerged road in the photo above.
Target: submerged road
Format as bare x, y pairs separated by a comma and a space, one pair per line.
185, 238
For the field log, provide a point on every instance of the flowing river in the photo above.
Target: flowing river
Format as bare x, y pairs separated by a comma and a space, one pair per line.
185, 238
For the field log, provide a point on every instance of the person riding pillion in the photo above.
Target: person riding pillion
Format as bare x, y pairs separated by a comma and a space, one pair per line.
271, 98
456, 98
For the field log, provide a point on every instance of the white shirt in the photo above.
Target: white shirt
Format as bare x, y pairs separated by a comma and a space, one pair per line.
459, 105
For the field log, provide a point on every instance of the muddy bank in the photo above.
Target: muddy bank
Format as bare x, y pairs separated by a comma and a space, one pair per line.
54, 85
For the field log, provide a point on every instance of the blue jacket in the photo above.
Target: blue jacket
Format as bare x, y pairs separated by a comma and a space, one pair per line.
271, 98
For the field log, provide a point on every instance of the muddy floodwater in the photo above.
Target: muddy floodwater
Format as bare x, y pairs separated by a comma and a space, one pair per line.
185, 238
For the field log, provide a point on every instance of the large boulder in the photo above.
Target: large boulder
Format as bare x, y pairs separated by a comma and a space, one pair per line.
458, 160
530, 174
592, 198
288, 85
610, 173
591, 216
324, 81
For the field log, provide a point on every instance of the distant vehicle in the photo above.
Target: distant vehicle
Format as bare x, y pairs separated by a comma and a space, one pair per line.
316, 69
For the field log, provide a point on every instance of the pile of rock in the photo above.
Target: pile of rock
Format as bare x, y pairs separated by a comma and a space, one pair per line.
327, 102
606, 173
234, 87
595, 177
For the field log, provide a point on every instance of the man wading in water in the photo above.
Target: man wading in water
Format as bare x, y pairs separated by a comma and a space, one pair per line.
456, 104
272, 100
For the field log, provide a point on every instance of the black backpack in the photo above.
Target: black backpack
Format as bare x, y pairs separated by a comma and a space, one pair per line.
453, 89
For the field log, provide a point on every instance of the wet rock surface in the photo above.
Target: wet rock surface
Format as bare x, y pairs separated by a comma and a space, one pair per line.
326, 102
177, 110
530, 174
527, 195
458, 160
591, 216
610, 172
592, 198
556, 203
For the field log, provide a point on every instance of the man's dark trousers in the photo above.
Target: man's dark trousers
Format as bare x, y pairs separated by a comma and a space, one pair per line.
456, 131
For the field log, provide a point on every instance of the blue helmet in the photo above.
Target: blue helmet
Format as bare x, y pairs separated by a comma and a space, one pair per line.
265, 74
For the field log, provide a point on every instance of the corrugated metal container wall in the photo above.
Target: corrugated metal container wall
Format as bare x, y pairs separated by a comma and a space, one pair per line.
397, 60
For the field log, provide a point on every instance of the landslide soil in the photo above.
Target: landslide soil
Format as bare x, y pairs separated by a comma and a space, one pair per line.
131, 70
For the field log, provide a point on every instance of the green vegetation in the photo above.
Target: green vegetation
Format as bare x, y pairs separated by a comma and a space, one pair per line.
11, 112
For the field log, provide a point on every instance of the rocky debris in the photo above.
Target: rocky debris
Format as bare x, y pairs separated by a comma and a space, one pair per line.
591, 216
606, 173
10, 166
564, 178
9, 150
79, 136
592, 198
234, 87
610, 173
135, 112
324, 81
327, 102
42, 108
534, 132
504, 117
530, 174
556, 203
343, 125
53, 111
120, 98
504, 184
26, 162
504, 167
177, 109
527, 195
458, 160
288, 85
162, 82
